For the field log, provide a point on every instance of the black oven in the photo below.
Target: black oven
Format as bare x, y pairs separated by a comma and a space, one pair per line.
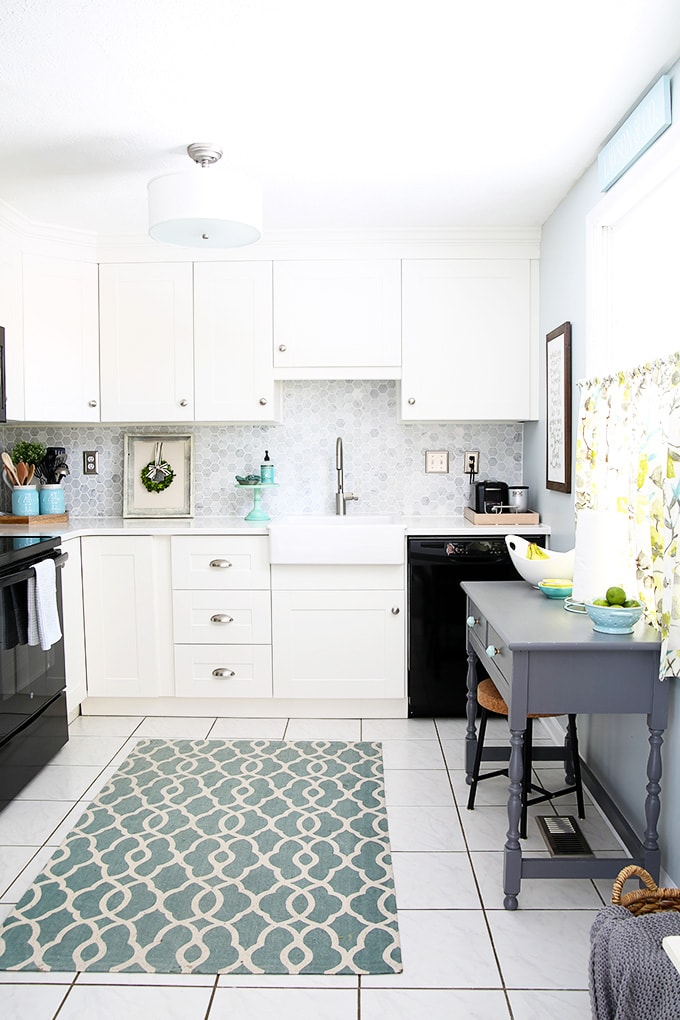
33, 717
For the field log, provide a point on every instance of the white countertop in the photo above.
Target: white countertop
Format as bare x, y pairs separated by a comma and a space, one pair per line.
77, 527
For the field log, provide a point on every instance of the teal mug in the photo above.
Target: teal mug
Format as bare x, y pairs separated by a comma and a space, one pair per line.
25, 502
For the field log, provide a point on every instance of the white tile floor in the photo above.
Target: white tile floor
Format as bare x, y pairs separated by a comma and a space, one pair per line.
464, 956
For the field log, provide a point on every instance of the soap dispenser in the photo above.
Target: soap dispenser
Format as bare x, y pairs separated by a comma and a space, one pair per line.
267, 470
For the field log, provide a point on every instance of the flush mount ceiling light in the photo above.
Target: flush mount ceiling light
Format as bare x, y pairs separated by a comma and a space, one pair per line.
204, 207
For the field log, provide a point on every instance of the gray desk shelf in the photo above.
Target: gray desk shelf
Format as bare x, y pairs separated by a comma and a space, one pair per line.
545, 660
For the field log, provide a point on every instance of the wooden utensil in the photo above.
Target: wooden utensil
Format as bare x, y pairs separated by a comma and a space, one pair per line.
22, 472
9, 468
31, 472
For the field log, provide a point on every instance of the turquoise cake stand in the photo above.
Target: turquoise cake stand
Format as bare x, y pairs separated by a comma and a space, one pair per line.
257, 513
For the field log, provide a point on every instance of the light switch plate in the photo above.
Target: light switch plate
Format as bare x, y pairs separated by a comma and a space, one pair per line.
437, 462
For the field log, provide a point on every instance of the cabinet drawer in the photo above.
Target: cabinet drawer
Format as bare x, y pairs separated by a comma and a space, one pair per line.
247, 671
212, 562
222, 618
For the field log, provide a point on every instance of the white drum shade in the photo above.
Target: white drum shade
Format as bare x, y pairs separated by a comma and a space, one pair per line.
205, 208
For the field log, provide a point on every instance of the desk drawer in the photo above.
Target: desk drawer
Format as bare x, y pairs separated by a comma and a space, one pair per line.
498, 654
227, 617
477, 623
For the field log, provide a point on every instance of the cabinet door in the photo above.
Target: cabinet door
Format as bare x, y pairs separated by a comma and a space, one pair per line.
146, 336
128, 622
233, 342
337, 319
61, 340
469, 340
346, 644
11, 305
74, 630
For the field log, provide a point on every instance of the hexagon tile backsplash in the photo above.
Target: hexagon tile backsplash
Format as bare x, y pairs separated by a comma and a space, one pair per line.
384, 460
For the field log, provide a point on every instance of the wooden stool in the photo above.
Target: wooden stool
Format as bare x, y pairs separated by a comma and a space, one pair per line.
490, 701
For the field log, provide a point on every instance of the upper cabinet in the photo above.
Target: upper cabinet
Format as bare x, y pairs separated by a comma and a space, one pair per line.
146, 337
469, 340
337, 319
61, 345
234, 380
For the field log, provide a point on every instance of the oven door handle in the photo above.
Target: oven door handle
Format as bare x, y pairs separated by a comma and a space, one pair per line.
23, 575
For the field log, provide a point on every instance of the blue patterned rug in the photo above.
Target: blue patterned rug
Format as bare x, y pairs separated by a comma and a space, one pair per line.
220, 857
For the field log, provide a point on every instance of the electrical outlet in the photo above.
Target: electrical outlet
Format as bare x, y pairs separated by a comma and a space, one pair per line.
471, 462
90, 462
437, 462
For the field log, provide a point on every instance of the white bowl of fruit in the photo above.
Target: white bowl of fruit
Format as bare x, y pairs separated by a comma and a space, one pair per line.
614, 613
534, 564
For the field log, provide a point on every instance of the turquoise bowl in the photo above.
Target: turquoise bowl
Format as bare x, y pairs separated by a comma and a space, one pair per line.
555, 588
613, 619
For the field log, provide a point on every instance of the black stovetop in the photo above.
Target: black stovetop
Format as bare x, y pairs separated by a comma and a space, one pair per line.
21, 550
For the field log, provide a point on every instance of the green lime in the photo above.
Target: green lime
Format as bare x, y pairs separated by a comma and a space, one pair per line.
600, 602
615, 596
631, 604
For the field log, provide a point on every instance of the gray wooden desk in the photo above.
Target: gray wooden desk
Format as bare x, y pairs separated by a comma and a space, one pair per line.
544, 659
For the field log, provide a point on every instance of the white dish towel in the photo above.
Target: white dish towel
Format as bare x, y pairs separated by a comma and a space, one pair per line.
43, 616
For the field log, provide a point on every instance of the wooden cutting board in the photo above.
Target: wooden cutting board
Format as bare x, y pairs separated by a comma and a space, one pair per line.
35, 520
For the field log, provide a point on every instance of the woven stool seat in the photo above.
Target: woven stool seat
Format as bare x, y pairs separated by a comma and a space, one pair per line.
490, 700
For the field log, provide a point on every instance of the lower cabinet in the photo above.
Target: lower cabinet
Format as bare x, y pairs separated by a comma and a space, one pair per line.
74, 629
222, 616
128, 616
347, 643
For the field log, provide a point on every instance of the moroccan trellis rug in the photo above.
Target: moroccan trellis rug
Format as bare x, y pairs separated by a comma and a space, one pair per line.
229, 857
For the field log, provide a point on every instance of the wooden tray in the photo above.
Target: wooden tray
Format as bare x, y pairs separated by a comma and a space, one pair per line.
35, 520
529, 517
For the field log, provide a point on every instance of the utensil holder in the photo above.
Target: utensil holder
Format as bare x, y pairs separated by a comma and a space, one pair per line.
51, 499
25, 502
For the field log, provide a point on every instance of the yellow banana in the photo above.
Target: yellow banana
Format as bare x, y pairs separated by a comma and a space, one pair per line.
534, 552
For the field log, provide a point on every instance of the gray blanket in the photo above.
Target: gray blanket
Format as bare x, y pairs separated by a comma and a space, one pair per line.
631, 977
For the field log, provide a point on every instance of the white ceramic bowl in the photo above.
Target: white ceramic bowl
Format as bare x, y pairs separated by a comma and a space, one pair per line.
560, 565
613, 619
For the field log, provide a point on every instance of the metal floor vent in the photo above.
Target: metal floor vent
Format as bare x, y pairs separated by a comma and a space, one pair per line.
563, 836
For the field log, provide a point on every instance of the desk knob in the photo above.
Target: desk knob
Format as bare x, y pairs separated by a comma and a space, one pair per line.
491, 651
472, 621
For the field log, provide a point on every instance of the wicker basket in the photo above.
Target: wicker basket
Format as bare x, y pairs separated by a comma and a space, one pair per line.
650, 900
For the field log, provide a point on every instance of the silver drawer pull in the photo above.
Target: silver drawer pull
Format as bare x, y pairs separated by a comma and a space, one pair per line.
222, 671
491, 651
221, 618
220, 563
472, 621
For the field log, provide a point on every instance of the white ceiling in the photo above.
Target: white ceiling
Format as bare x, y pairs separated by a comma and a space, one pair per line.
356, 114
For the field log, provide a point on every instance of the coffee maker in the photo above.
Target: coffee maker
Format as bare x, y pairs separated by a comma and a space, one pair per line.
489, 495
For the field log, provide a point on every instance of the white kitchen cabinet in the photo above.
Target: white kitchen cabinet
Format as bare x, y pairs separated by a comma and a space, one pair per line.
74, 628
222, 616
12, 320
61, 340
128, 616
469, 340
337, 319
338, 632
146, 338
234, 378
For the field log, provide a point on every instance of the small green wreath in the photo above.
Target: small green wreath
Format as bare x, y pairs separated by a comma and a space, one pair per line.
157, 475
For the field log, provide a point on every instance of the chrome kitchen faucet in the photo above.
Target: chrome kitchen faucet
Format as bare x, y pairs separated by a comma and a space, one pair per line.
341, 497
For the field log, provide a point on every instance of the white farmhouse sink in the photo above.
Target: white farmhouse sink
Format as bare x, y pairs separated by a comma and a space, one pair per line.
357, 538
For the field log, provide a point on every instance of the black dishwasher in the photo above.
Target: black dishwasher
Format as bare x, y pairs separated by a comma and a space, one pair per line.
437, 660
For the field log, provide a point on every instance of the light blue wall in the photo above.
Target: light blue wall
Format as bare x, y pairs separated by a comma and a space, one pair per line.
615, 746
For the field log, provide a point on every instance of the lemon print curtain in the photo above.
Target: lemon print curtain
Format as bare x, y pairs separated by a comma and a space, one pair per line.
628, 461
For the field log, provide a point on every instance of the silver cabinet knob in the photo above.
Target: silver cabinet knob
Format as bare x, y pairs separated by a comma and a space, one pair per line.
395, 610
472, 621
282, 347
92, 403
222, 671
221, 618
183, 403
411, 400
263, 401
220, 564
492, 651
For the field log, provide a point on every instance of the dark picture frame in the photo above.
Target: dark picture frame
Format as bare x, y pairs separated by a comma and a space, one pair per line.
558, 409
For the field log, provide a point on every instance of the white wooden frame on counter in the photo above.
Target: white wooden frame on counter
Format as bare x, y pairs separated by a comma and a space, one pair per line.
177, 500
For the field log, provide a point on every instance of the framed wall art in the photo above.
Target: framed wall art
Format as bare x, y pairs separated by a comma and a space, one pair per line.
158, 476
558, 408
